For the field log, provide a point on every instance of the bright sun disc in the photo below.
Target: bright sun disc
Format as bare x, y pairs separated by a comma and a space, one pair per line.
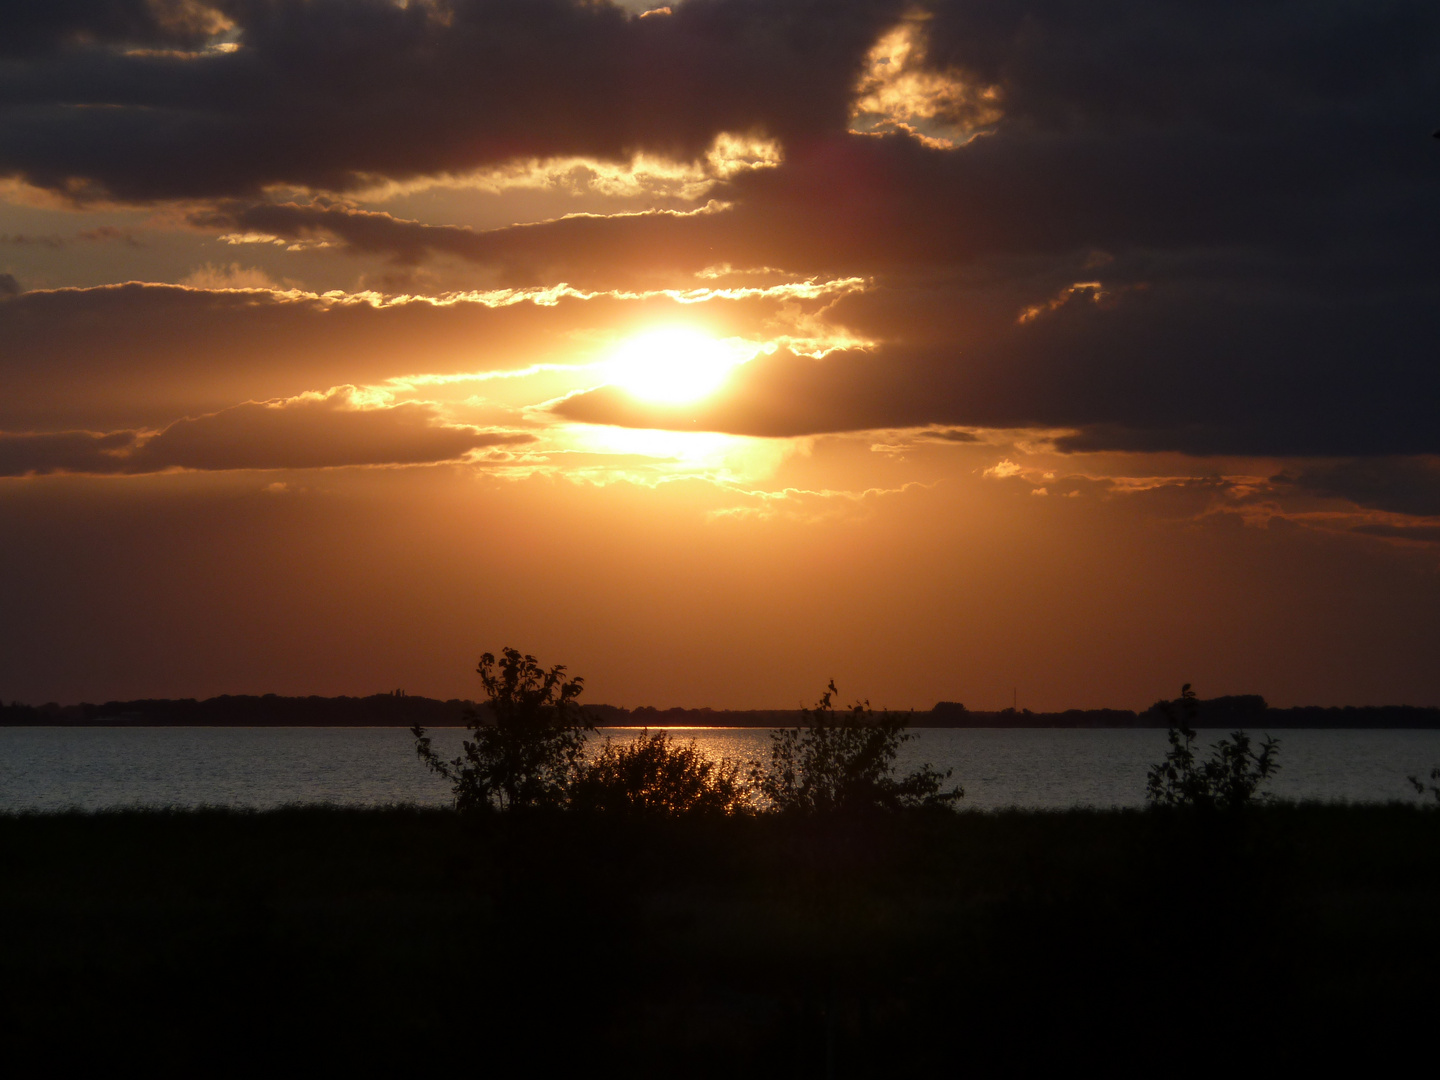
671, 367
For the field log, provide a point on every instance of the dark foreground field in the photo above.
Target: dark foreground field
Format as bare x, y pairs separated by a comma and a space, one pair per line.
978, 944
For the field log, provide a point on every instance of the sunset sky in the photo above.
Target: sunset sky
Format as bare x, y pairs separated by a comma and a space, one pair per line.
1076, 348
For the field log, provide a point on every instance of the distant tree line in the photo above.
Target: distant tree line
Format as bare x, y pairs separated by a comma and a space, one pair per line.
397, 709
1238, 710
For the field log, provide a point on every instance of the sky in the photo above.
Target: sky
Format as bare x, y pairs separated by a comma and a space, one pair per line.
1055, 352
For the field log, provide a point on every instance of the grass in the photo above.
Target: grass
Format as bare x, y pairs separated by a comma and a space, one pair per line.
995, 942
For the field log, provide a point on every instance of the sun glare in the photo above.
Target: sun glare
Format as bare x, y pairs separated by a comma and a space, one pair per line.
672, 366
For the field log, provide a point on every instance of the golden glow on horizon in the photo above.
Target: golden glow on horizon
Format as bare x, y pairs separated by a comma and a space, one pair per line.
689, 447
672, 455
672, 366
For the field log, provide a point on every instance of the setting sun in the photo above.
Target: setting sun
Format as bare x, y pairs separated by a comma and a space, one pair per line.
671, 366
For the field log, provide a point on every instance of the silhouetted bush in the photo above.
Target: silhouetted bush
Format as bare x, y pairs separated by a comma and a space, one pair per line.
845, 762
1228, 780
653, 774
529, 739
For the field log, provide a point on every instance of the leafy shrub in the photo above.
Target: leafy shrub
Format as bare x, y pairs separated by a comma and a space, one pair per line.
528, 741
656, 775
1228, 780
845, 762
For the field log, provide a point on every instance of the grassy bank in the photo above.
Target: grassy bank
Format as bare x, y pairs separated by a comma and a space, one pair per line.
772, 946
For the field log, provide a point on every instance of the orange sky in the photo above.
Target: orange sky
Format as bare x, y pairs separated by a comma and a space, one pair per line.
935, 349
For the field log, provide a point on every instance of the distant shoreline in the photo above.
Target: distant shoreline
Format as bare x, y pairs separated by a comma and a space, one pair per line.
404, 710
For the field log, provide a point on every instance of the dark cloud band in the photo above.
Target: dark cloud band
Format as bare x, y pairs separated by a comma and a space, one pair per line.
313, 432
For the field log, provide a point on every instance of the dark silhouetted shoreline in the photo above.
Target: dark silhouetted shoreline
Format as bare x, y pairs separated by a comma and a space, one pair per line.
404, 710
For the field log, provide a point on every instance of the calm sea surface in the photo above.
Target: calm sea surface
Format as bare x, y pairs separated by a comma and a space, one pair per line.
91, 768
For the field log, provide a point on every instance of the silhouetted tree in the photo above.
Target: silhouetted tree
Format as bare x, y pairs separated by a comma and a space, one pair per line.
653, 774
845, 762
528, 740
1228, 780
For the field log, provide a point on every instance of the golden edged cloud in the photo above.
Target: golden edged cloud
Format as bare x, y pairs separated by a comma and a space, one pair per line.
190, 17
127, 357
642, 175
898, 91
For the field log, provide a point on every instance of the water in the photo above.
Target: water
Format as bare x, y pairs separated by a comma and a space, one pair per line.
1039, 768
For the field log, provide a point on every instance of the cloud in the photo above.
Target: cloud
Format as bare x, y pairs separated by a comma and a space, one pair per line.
9, 286
64, 451
1159, 372
780, 395
1131, 99
600, 251
1422, 534
31, 240
1402, 485
1162, 312
137, 355
947, 435
53, 241
36, 29
785, 394
898, 91
1187, 226
310, 432
377, 89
